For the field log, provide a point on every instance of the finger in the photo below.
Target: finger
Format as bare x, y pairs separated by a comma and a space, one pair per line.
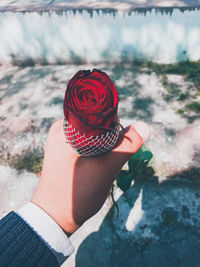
130, 141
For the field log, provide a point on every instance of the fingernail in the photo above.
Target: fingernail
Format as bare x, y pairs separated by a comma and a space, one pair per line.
143, 129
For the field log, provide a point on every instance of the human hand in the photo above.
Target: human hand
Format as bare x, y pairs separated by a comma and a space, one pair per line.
73, 188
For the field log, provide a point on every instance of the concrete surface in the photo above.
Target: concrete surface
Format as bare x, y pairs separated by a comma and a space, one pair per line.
159, 221
159, 226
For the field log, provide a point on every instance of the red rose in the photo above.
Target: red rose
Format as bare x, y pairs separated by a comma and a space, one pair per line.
90, 109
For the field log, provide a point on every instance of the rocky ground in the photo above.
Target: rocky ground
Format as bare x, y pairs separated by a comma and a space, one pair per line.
159, 221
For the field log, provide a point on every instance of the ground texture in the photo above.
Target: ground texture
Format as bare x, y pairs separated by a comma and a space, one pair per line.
159, 221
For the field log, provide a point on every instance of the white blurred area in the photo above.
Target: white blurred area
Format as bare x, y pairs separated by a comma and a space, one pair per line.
72, 38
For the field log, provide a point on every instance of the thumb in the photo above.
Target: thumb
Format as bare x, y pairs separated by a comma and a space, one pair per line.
130, 141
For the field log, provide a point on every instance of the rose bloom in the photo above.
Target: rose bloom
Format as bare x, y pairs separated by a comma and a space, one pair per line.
90, 110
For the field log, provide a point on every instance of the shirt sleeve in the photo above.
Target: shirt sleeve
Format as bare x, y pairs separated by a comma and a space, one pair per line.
48, 230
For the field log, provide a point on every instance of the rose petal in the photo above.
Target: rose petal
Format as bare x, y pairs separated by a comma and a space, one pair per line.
92, 98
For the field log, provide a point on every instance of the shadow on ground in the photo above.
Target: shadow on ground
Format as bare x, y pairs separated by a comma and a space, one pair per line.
128, 86
180, 82
158, 225
18, 81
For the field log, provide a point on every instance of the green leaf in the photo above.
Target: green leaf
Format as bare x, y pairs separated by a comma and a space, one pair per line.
134, 162
124, 180
143, 157
147, 155
145, 148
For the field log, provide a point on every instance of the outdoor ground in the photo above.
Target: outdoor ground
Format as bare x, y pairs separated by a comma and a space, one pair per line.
159, 221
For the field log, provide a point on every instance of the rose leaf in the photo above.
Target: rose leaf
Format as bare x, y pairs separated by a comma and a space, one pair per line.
124, 180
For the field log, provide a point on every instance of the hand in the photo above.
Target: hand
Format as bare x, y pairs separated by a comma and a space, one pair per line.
73, 188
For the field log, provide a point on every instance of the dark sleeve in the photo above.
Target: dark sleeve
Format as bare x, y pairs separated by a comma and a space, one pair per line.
20, 246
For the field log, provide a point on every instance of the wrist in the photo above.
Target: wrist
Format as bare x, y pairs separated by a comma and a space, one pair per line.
67, 225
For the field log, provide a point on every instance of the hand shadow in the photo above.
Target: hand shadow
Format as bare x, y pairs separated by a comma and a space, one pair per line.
149, 230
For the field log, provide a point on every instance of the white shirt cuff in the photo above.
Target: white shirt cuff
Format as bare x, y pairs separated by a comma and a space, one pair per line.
48, 230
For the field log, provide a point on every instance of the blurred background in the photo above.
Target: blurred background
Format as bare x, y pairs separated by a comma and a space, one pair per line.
151, 51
